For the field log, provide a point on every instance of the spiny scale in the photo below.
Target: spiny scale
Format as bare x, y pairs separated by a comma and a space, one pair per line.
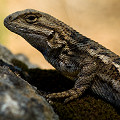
88, 63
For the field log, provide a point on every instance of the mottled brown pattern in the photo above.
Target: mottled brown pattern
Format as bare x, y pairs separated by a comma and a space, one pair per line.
88, 63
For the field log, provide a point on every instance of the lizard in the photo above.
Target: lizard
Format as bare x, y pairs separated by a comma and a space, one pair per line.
89, 64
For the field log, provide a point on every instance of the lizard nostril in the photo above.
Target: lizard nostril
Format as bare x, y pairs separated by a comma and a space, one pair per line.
8, 20
10, 17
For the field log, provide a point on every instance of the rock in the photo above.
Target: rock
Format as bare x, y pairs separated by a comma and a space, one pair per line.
87, 107
25, 60
8, 57
18, 99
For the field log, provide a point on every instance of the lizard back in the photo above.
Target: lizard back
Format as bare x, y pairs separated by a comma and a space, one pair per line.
71, 53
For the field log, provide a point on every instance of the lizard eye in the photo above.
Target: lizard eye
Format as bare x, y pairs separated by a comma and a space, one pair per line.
31, 18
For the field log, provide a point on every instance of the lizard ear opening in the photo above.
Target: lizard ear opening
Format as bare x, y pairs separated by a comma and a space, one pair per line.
51, 35
31, 18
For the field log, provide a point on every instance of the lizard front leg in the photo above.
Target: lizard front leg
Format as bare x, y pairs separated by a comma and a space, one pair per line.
83, 81
75, 92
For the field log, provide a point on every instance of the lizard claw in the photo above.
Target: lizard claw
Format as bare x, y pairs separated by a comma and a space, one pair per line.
68, 95
50, 102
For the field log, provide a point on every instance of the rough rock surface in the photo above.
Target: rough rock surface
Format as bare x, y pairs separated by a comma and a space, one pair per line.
18, 99
5, 54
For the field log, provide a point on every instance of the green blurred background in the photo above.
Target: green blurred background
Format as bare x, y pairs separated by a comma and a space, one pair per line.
96, 19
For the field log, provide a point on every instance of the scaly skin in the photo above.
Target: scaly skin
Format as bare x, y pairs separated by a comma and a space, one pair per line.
88, 63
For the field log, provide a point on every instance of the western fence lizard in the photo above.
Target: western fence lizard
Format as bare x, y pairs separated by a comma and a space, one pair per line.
81, 59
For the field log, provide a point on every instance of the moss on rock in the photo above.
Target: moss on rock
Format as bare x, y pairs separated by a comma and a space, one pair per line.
87, 107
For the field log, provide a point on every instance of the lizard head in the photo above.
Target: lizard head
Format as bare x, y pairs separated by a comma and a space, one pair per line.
41, 30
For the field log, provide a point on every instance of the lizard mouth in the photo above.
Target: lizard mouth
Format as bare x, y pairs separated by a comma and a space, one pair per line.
14, 27
20, 30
